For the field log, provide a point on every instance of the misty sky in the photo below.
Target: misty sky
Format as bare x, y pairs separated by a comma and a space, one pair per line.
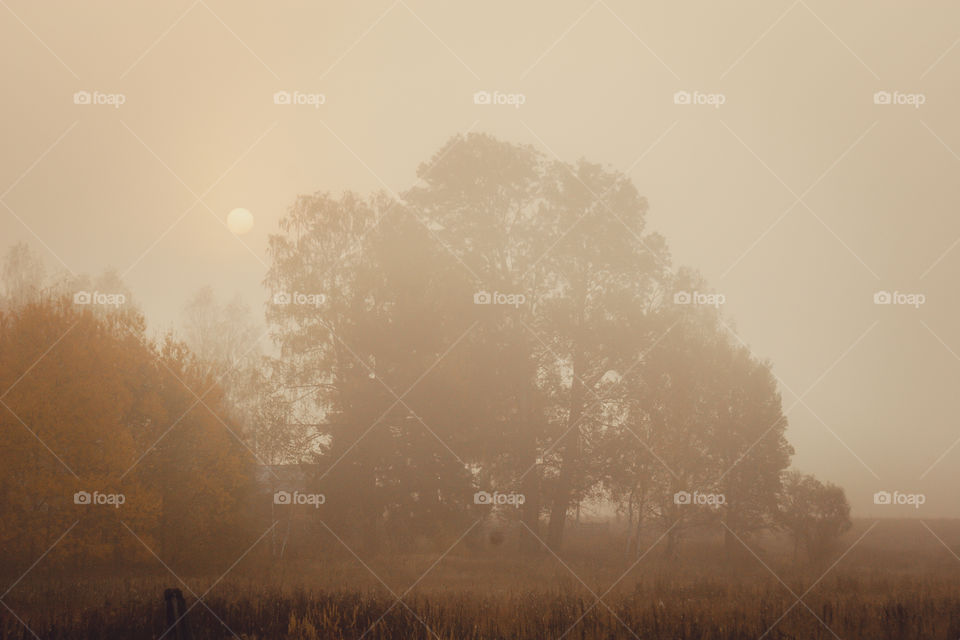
798, 198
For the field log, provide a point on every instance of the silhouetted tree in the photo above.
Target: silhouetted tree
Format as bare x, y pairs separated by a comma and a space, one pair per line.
813, 513
597, 379
371, 340
23, 275
92, 405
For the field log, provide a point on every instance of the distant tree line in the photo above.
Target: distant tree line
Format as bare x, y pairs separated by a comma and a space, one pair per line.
508, 325
104, 438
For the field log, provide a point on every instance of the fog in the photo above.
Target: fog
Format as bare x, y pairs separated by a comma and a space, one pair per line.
790, 165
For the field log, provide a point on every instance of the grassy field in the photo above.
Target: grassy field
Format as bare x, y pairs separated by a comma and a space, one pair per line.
898, 582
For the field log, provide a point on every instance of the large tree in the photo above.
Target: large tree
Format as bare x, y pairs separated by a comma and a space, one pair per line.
590, 376
91, 405
572, 239
375, 340
697, 413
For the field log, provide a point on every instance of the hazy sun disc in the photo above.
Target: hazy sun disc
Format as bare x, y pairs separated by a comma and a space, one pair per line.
240, 221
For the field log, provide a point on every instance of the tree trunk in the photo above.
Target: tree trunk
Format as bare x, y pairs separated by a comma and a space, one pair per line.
637, 550
570, 464
529, 542
530, 484
571, 440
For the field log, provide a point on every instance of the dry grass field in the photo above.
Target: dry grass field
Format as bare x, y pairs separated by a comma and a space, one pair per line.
898, 582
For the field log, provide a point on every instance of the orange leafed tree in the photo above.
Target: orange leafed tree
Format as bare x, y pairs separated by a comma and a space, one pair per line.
90, 405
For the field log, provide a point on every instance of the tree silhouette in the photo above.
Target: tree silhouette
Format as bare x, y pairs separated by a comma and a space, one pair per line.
594, 378
813, 513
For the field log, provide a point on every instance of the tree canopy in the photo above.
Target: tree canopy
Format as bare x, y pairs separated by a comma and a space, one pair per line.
510, 324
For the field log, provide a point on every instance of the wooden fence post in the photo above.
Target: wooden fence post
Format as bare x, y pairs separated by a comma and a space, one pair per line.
176, 615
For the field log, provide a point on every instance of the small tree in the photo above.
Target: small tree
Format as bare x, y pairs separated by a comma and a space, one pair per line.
815, 514
22, 275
